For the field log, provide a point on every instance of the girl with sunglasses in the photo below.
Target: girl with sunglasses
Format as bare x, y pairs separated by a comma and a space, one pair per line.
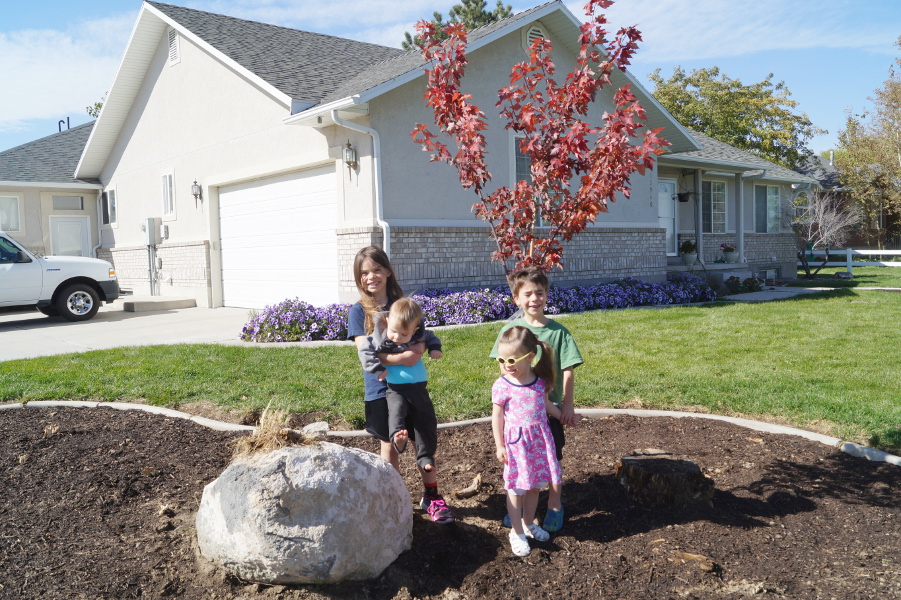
522, 435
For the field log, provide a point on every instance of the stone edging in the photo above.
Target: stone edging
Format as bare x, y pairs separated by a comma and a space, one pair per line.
595, 413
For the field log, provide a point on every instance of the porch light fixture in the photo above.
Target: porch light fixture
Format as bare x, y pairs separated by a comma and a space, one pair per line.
350, 156
196, 190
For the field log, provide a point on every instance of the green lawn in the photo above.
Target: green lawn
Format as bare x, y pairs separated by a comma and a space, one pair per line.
863, 277
825, 361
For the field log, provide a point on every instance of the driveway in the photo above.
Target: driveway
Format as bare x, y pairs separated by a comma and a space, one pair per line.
30, 334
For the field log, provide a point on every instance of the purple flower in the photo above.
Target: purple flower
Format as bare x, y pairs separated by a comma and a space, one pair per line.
295, 320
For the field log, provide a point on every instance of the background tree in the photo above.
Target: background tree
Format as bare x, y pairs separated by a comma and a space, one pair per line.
94, 109
869, 156
470, 13
556, 140
758, 118
824, 221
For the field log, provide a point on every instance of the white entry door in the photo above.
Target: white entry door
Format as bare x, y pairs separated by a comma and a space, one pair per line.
279, 239
69, 236
667, 213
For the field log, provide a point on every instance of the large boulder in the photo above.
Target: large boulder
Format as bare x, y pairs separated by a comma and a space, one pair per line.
320, 513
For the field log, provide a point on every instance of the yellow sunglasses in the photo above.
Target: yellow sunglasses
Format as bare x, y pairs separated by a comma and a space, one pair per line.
512, 361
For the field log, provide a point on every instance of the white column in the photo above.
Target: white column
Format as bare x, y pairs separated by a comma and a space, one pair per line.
740, 218
699, 225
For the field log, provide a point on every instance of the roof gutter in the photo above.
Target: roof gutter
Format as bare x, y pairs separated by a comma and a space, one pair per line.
377, 168
52, 185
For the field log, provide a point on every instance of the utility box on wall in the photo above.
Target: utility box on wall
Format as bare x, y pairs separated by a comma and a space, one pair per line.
151, 228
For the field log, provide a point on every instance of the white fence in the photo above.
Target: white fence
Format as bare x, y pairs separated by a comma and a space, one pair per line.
849, 255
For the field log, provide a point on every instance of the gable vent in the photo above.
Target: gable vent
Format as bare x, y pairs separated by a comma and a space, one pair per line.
173, 47
534, 32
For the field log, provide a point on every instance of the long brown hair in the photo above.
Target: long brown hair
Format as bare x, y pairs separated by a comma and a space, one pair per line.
392, 288
519, 338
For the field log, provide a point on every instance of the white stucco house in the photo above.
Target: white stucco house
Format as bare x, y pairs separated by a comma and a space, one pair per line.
219, 151
42, 205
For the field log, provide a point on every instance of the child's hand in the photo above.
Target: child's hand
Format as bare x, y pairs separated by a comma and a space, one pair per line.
502, 455
435, 354
383, 375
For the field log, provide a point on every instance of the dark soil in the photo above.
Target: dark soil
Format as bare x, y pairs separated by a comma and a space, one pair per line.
100, 503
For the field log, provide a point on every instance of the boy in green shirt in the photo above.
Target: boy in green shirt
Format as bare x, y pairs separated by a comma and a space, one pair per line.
529, 287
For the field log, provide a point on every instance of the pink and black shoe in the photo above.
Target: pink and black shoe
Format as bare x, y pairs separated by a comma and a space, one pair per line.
438, 510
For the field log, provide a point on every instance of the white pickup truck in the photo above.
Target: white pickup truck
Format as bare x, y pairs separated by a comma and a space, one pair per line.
68, 286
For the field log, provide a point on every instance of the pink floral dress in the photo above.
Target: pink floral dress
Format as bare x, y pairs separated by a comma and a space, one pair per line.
531, 456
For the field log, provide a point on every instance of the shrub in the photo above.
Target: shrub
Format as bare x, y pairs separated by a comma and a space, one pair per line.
298, 321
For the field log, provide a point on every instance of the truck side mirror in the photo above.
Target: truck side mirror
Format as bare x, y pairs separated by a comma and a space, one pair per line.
21, 257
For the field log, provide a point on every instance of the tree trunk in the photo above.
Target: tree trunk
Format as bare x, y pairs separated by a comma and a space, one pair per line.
655, 477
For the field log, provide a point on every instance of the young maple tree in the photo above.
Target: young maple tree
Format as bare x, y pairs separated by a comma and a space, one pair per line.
572, 179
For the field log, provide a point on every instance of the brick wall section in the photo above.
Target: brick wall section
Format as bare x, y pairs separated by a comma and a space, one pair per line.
760, 250
185, 265
131, 266
460, 257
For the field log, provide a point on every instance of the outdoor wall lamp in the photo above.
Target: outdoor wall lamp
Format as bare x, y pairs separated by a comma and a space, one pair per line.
350, 156
197, 191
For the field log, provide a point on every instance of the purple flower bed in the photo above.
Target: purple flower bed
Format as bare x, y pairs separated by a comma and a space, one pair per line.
298, 321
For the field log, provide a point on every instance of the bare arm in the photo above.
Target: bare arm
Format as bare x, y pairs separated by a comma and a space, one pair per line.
497, 428
552, 409
406, 359
568, 404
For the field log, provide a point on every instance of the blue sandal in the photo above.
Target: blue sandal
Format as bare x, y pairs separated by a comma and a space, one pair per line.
553, 520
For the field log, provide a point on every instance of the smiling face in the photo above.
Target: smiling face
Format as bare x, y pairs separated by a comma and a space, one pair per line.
531, 298
522, 364
374, 278
397, 332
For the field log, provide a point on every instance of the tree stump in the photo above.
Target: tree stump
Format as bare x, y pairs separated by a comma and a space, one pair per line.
653, 477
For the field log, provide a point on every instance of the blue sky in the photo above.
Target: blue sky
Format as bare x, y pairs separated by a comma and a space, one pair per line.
59, 56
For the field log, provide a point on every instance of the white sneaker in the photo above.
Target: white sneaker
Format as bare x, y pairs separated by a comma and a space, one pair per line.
519, 544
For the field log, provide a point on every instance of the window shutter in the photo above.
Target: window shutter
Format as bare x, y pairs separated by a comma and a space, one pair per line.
173, 46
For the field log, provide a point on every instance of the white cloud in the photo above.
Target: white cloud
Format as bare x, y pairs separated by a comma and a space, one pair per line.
49, 73
675, 30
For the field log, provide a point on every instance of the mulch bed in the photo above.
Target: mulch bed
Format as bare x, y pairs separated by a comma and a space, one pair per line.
100, 503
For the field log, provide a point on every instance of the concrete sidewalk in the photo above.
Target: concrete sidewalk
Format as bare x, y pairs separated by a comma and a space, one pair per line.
30, 334
775, 293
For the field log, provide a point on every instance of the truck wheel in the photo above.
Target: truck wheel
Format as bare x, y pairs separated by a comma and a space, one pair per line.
50, 311
78, 302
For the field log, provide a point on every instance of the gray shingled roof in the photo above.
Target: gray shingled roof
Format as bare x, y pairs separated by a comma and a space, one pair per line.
51, 159
712, 149
301, 64
823, 171
410, 60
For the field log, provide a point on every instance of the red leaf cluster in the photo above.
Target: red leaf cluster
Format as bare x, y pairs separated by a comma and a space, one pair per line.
576, 168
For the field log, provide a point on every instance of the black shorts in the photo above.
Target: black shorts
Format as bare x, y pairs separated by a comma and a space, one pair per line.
557, 432
377, 420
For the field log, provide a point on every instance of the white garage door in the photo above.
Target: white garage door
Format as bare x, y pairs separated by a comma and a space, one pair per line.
279, 239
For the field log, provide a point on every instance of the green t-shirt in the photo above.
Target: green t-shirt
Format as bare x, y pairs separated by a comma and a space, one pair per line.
558, 337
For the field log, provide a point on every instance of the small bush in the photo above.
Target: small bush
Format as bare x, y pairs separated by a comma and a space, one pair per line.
737, 286
298, 321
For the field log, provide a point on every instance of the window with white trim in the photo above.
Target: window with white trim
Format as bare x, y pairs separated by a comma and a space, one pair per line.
522, 170
168, 195
767, 202
68, 202
713, 206
9, 213
108, 208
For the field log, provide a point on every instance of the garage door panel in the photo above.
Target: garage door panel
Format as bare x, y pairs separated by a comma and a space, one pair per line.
278, 239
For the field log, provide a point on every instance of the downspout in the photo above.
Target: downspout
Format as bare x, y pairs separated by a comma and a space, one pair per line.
377, 167
99, 224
